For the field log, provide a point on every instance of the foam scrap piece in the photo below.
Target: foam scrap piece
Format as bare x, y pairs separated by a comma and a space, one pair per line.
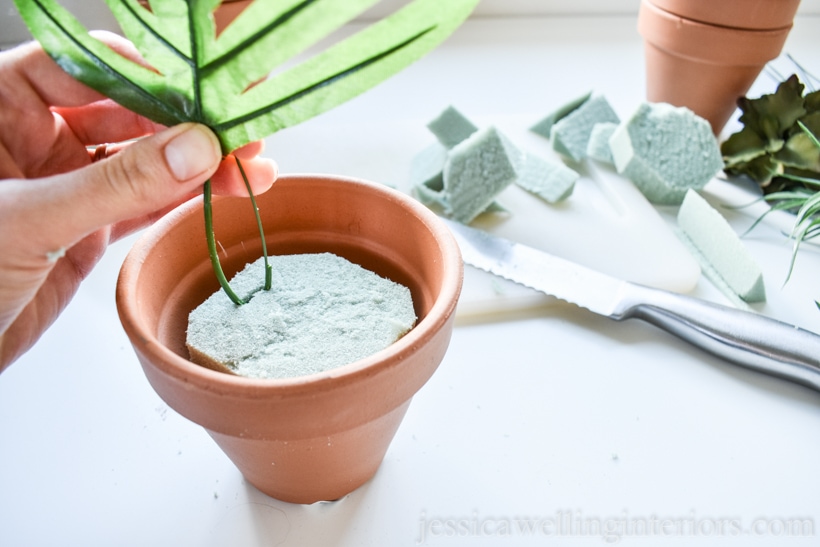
544, 126
665, 151
322, 312
451, 127
427, 179
598, 145
570, 134
719, 245
431, 193
551, 181
477, 170
428, 165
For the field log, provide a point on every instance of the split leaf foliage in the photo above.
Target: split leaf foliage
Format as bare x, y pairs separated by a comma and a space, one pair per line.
243, 83
226, 81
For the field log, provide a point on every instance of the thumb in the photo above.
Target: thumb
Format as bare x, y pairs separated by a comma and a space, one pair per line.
147, 176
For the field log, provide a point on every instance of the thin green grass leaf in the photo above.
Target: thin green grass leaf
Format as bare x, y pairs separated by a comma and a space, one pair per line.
811, 135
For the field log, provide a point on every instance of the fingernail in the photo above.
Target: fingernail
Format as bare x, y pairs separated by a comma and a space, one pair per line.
192, 152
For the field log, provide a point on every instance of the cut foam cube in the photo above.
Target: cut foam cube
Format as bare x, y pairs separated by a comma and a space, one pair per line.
570, 134
550, 180
665, 151
477, 170
544, 126
598, 145
451, 127
720, 247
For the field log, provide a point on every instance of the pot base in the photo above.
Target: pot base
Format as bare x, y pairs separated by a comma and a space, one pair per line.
322, 468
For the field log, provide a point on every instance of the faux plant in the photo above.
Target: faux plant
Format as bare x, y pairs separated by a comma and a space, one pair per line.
226, 81
775, 147
779, 148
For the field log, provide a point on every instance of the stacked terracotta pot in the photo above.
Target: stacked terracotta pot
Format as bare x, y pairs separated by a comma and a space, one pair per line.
705, 54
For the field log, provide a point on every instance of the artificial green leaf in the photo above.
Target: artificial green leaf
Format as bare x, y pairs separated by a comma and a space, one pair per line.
760, 169
227, 81
810, 126
801, 150
777, 146
338, 74
772, 114
741, 147
812, 102
95, 64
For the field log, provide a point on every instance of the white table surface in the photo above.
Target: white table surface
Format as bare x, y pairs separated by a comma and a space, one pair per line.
563, 419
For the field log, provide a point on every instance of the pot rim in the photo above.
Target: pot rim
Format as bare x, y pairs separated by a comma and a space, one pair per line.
724, 13
197, 376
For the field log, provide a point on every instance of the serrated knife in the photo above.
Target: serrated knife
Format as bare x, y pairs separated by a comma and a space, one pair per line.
741, 337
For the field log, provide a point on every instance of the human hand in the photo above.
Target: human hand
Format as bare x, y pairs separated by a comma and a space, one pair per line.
59, 208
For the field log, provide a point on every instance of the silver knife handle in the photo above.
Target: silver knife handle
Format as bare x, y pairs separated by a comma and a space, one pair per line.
744, 338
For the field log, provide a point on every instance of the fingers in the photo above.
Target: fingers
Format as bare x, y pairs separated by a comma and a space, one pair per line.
58, 211
227, 180
52, 84
30, 67
106, 121
121, 45
261, 173
250, 150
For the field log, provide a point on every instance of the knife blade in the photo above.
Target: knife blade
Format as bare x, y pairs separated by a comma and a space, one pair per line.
741, 337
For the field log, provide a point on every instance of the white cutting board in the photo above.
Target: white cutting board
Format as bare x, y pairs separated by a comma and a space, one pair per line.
606, 224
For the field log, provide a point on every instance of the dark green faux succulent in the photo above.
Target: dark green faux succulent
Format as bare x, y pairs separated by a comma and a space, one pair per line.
227, 81
775, 147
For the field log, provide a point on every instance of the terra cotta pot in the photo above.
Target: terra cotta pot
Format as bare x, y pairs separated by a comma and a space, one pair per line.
315, 437
703, 66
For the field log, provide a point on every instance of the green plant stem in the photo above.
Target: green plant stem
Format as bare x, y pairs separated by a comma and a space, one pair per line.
268, 268
212, 252
811, 135
211, 238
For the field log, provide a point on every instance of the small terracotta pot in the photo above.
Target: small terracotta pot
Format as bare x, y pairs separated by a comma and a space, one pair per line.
315, 437
702, 66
